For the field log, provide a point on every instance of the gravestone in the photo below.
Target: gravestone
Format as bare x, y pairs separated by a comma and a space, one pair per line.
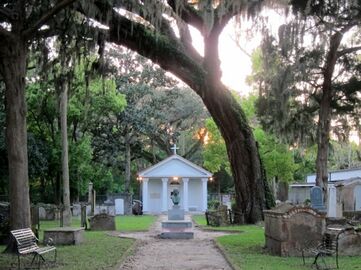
317, 199
332, 202
83, 222
288, 229
119, 206
357, 196
64, 236
102, 222
42, 213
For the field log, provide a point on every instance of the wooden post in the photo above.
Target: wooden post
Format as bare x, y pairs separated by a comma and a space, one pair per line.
91, 198
35, 221
83, 222
61, 208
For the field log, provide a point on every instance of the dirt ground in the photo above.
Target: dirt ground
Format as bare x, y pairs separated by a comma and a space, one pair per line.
154, 253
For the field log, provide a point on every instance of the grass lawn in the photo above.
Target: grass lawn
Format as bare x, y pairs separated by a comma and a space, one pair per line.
201, 221
134, 223
245, 250
99, 250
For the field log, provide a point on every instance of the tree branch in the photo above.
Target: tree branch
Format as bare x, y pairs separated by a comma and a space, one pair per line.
188, 14
60, 5
348, 50
5, 33
168, 53
7, 13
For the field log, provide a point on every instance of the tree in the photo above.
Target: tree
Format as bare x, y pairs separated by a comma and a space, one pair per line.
18, 27
175, 54
201, 73
276, 158
315, 73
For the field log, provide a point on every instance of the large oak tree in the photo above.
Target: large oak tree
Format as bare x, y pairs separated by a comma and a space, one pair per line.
161, 33
20, 23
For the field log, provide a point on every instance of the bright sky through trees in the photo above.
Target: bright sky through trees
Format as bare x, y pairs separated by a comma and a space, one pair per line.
236, 62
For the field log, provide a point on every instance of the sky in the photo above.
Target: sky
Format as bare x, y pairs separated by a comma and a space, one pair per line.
236, 64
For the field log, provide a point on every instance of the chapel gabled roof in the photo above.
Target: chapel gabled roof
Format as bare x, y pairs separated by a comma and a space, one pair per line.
175, 166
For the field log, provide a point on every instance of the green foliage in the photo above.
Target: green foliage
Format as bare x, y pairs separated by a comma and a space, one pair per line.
215, 152
213, 205
277, 158
344, 155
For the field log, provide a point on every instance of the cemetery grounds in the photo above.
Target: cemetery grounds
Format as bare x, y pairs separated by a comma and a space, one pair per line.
100, 250
243, 248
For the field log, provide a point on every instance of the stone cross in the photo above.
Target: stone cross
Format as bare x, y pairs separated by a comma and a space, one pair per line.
174, 148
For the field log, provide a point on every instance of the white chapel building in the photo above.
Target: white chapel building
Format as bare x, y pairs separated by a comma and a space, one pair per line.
172, 173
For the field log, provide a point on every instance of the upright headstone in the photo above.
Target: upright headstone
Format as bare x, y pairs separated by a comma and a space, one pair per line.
102, 222
332, 204
357, 197
35, 221
119, 206
317, 199
83, 222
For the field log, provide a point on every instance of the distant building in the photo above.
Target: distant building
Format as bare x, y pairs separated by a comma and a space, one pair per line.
335, 176
347, 182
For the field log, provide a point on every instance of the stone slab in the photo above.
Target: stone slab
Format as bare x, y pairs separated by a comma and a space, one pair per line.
176, 213
176, 224
64, 235
176, 235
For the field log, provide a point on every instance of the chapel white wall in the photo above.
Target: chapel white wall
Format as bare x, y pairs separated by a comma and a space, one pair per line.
155, 196
195, 194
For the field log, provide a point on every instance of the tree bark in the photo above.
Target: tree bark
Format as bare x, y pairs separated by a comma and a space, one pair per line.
241, 149
324, 121
13, 54
64, 151
127, 163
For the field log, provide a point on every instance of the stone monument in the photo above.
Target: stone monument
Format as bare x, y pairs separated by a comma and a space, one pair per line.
102, 222
289, 229
317, 199
176, 213
176, 227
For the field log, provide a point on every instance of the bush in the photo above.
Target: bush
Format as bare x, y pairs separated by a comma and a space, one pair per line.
214, 204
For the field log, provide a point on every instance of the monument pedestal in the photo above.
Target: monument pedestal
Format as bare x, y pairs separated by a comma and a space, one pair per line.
176, 227
176, 213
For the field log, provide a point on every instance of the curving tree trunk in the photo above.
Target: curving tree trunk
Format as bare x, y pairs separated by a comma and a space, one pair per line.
203, 75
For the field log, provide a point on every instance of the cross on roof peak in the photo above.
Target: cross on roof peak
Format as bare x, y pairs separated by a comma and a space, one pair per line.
174, 148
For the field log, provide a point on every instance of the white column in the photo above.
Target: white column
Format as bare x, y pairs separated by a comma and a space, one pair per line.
204, 194
164, 194
185, 193
145, 194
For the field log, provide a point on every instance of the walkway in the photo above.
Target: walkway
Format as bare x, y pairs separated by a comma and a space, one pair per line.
153, 253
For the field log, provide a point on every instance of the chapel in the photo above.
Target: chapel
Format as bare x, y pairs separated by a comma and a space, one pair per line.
174, 172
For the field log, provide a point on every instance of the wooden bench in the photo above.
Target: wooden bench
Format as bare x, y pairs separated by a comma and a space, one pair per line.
26, 242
